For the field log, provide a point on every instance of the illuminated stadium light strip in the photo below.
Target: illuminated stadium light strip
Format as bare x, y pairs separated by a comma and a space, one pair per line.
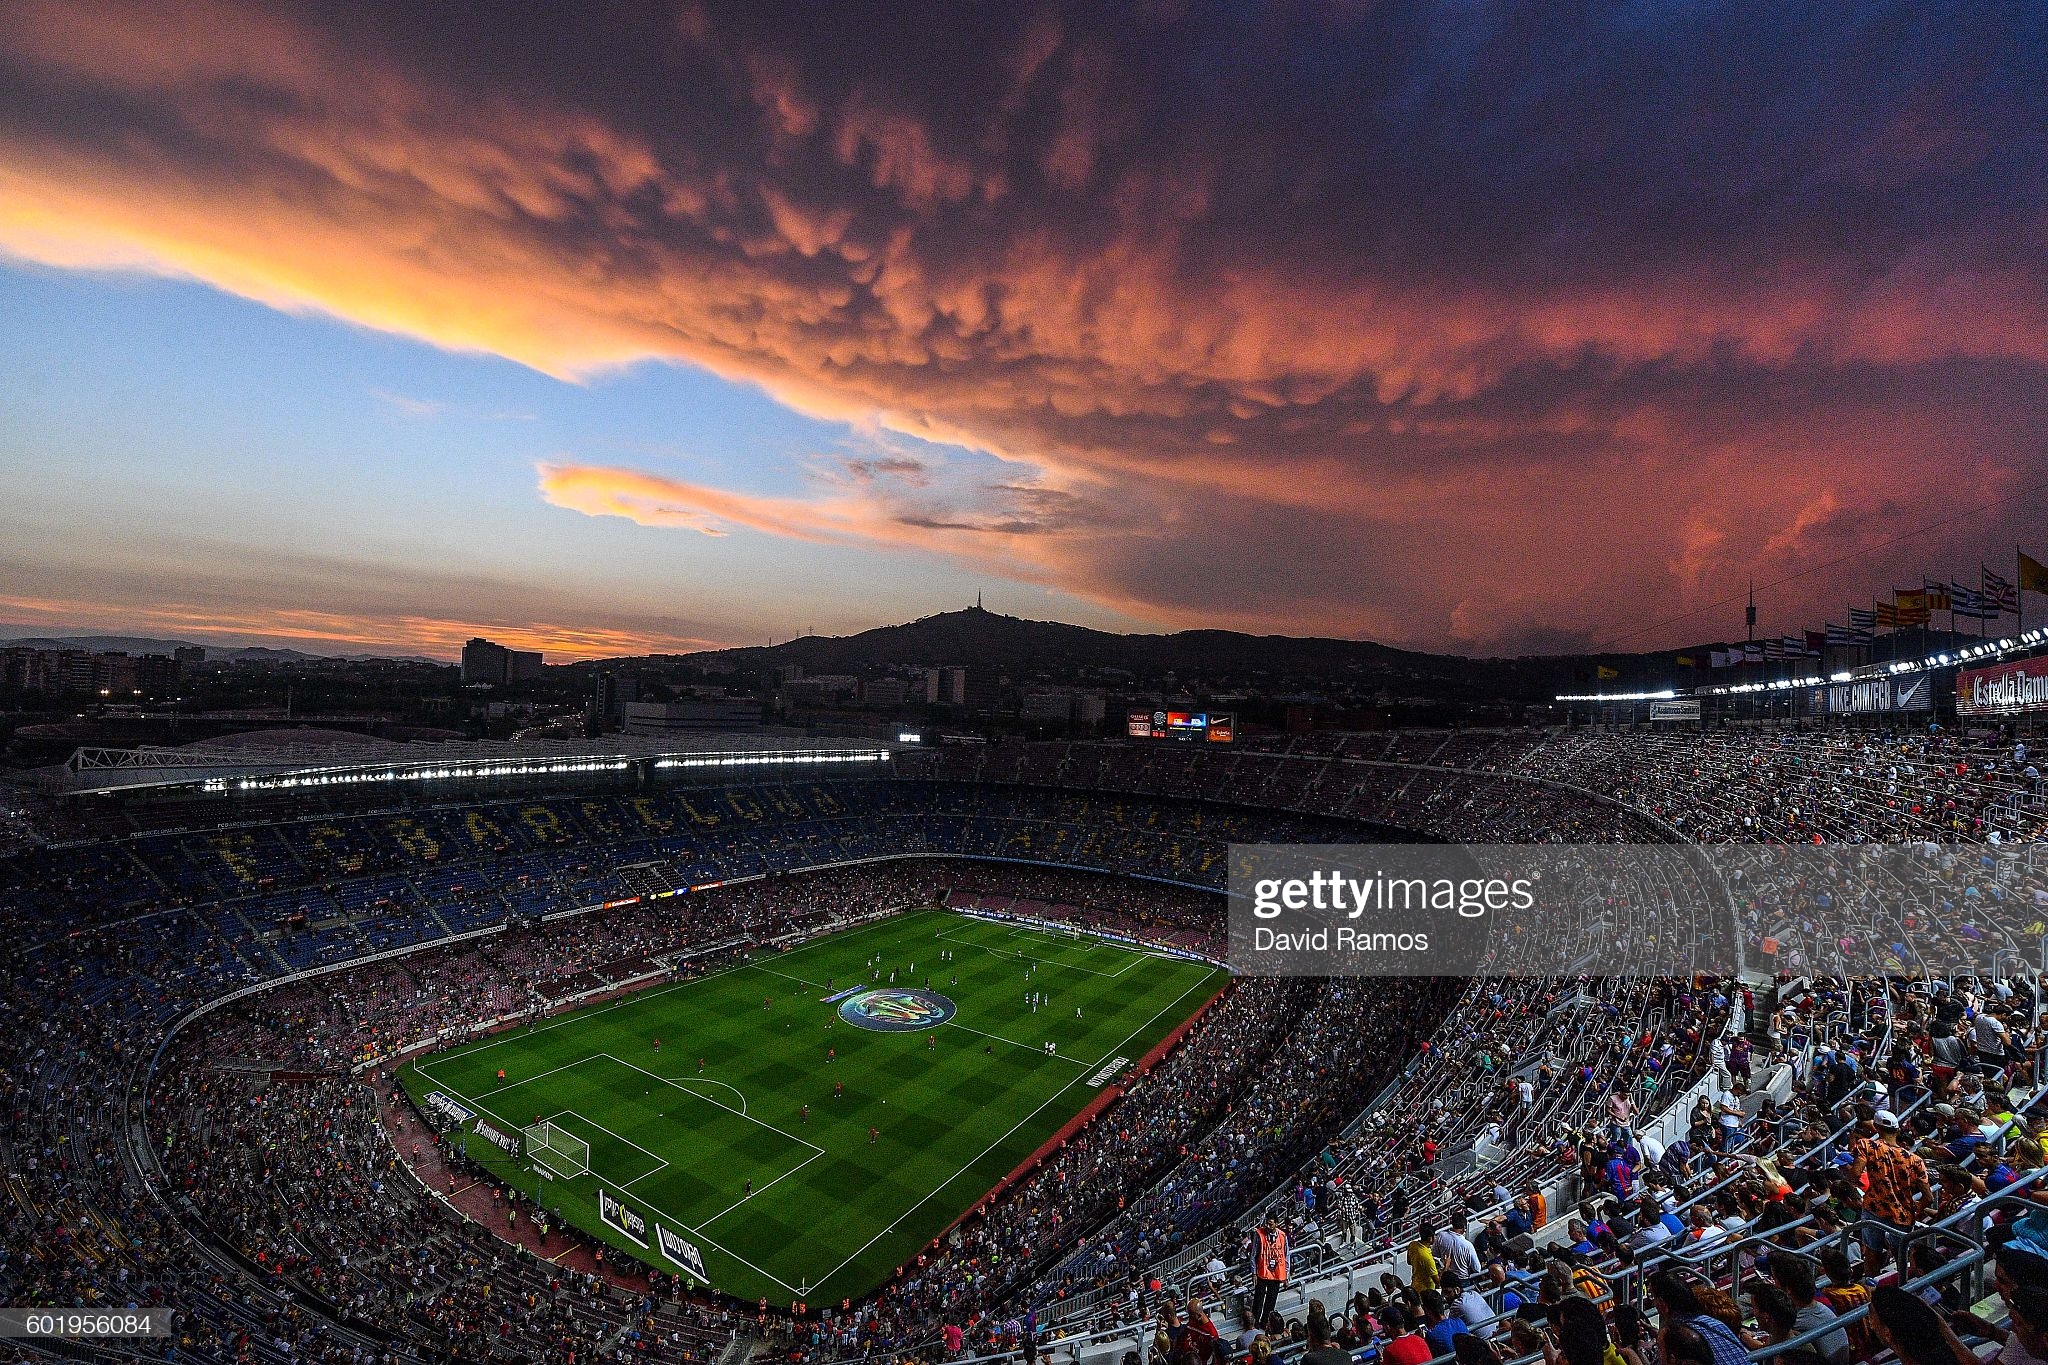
528, 768
1666, 695
1778, 685
1983, 652
749, 760
277, 766
353, 777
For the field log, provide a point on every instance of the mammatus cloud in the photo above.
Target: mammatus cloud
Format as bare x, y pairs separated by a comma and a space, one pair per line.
1450, 325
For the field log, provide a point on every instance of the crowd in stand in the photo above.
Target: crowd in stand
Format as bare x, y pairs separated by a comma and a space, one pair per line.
1844, 1187
313, 1243
1943, 790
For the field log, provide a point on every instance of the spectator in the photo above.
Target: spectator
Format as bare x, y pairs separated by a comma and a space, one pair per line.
1916, 1332
1405, 1345
1321, 1348
1677, 1303
1794, 1275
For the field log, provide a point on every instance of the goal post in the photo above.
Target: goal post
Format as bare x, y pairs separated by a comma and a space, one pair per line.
557, 1150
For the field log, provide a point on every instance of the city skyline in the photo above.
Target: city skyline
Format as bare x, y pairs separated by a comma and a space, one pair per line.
664, 327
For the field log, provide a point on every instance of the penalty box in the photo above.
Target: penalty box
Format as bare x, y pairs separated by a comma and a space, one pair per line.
674, 1145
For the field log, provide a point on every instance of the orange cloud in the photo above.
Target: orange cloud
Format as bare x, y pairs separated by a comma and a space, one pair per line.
1027, 533
338, 632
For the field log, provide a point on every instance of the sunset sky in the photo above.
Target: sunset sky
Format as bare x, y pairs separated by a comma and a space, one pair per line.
611, 328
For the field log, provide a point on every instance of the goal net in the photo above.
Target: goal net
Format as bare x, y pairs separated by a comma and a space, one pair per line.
560, 1152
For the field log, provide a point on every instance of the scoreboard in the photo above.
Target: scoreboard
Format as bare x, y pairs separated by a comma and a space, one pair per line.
1188, 727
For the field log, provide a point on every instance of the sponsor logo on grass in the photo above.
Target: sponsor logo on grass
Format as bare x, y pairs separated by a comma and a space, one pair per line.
1109, 1071
681, 1252
895, 1010
621, 1218
496, 1138
440, 1103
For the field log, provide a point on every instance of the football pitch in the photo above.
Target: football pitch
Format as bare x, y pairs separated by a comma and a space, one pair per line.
740, 1151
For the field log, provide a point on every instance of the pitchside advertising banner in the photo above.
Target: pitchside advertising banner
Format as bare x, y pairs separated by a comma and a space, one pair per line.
438, 1102
1877, 696
622, 1219
629, 1224
681, 1252
504, 1141
1631, 909
2006, 690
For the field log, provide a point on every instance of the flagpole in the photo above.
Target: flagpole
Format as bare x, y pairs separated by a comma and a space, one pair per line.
2019, 594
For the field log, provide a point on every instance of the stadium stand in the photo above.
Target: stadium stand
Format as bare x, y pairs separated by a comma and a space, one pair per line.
1509, 1168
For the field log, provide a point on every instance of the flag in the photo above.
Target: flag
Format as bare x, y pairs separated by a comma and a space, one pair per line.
1911, 606
1936, 595
1887, 616
1774, 649
1721, 658
1796, 647
1999, 590
1753, 652
1816, 641
2033, 574
1687, 661
1847, 635
1604, 672
1971, 604
1862, 620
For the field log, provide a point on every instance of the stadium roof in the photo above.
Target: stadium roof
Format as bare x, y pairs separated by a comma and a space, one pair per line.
274, 762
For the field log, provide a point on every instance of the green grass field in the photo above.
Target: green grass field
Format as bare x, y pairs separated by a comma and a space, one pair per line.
677, 1135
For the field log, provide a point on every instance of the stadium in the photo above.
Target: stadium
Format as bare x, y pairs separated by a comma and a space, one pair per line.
829, 1050
1487, 808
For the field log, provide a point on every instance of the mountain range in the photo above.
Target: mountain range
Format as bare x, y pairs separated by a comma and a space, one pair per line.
1018, 647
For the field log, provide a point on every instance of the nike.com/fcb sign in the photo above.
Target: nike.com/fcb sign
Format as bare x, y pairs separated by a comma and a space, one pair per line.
895, 1010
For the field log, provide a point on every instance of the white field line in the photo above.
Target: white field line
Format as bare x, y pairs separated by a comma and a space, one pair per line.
1133, 956
665, 1080
1006, 1136
514, 1085
636, 997
619, 1137
763, 1190
997, 1037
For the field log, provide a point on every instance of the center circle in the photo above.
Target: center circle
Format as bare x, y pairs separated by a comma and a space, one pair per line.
896, 1009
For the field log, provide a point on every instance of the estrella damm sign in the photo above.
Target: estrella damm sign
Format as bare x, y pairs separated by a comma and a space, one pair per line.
896, 1010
